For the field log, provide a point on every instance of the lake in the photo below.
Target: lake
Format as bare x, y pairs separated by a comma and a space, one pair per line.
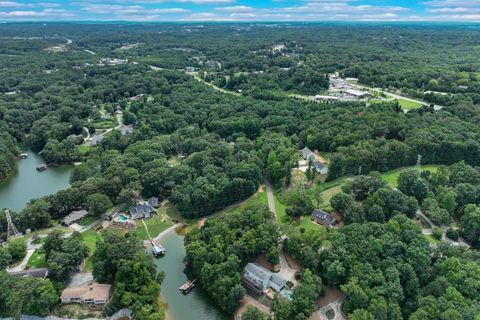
26, 183
194, 306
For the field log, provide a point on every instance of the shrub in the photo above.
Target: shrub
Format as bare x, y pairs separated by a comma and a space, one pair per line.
437, 233
452, 234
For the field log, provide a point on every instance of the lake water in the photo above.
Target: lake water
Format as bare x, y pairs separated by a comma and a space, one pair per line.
194, 306
26, 183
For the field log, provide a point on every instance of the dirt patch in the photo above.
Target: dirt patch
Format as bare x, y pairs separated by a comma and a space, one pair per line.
262, 260
331, 294
201, 223
292, 262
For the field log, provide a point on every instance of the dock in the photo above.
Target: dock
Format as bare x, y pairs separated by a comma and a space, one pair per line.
187, 287
42, 167
158, 251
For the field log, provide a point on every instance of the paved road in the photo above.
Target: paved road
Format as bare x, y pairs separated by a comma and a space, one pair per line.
396, 96
444, 228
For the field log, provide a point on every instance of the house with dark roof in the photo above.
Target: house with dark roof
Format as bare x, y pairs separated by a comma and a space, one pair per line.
259, 279
142, 210
323, 218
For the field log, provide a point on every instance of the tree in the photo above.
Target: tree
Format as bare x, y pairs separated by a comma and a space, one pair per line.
17, 249
470, 224
341, 201
252, 313
354, 213
98, 203
5, 258
361, 315
273, 256
437, 233
452, 234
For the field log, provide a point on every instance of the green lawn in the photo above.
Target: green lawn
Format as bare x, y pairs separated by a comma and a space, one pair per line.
391, 176
328, 194
90, 237
288, 225
409, 105
105, 124
84, 149
85, 221
37, 260
157, 224
432, 240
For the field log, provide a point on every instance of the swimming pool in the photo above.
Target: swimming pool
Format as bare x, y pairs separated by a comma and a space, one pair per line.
122, 218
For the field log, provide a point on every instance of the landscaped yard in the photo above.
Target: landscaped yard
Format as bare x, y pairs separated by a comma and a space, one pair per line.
84, 148
391, 176
161, 221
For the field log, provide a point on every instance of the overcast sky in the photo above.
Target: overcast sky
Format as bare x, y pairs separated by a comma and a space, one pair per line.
242, 10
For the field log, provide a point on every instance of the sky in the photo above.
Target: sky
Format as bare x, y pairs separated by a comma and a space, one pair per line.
241, 10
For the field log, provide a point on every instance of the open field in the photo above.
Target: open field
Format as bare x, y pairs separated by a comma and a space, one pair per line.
408, 104
391, 176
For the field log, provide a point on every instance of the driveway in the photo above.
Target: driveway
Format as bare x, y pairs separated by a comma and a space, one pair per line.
270, 197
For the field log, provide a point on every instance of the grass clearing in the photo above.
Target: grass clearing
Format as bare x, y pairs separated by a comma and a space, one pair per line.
391, 176
89, 219
37, 260
84, 149
408, 104
90, 238
289, 225
327, 195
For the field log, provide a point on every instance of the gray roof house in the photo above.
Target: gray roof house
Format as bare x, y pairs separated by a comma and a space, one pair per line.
74, 216
309, 155
142, 211
323, 218
39, 273
153, 201
259, 279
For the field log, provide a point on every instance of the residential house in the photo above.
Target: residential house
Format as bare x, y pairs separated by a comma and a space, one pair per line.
142, 210
153, 201
309, 155
259, 279
96, 140
126, 130
358, 94
74, 216
323, 218
38, 273
93, 295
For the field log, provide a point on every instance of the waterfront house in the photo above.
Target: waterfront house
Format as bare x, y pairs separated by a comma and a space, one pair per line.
93, 295
74, 216
259, 279
142, 210
323, 218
